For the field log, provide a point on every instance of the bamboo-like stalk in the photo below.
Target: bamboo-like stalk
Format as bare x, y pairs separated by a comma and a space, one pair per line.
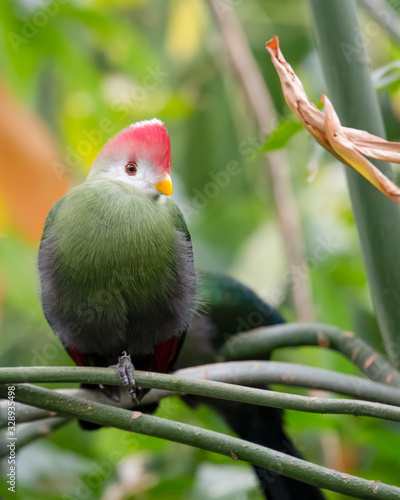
216, 381
259, 343
261, 397
237, 449
347, 74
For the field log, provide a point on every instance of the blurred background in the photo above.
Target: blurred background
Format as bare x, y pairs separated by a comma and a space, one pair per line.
72, 74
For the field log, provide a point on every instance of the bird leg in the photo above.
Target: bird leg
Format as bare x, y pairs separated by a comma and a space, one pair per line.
125, 370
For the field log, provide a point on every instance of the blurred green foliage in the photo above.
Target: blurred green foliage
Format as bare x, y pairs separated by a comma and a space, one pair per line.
91, 68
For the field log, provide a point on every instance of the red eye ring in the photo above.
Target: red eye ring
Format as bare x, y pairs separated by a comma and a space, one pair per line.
131, 168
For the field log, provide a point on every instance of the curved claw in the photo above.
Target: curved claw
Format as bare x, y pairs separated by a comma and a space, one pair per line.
126, 370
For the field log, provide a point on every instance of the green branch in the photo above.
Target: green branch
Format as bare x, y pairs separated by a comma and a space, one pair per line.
26, 433
261, 342
235, 448
25, 413
238, 372
348, 77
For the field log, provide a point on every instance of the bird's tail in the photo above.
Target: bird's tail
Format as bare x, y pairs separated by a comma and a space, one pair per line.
229, 308
264, 426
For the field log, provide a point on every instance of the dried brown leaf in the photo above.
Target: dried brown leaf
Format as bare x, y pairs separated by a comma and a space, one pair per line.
346, 150
349, 145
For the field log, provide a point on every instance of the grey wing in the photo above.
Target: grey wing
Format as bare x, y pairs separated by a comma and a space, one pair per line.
181, 225
47, 264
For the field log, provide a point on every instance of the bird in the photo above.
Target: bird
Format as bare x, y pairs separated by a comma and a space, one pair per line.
118, 286
227, 308
116, 266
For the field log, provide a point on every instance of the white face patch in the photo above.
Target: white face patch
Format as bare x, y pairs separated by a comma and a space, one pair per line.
122, 150
145, 179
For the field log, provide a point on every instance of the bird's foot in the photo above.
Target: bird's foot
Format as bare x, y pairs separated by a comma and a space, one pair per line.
126, 370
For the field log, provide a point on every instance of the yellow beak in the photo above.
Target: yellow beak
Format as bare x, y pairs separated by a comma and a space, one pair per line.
165, 186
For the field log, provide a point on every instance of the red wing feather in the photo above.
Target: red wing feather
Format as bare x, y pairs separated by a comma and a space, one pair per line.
164, 356
78, 357
166, 353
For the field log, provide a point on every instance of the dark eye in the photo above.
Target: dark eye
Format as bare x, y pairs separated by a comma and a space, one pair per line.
131, 168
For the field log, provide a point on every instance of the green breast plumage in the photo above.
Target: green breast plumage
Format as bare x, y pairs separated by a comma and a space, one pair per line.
115, 263
106, 236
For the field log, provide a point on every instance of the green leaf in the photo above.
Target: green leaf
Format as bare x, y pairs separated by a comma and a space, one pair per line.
386, 75
281, 135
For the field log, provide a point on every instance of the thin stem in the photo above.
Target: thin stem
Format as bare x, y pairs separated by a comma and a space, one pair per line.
26, 433
384, 15
261, 105
254, 373
261, 397
235, 448
259, 343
